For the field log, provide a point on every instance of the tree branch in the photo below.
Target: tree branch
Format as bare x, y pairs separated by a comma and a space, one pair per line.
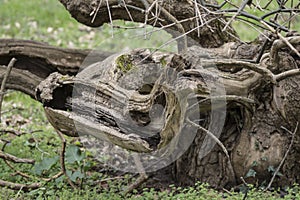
37, 60
93, 14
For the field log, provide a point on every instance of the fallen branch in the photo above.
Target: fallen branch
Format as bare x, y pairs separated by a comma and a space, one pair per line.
18, 133
16, 171
17, 186
15, 159
142, 179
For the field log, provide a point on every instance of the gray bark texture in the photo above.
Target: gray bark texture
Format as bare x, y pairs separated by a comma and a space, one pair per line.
260, 99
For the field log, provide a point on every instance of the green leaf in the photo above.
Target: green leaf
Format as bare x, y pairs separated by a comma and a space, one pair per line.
279, 174
254, 164
59, 179
74, 154
250, 173
74, 175
44, 165
271, 168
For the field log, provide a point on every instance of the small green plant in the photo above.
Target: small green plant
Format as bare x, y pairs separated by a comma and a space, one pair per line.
124, 63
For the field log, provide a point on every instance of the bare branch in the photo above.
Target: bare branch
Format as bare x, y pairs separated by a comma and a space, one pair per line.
62, 159
211, 135
243, 64
283, 42
15, 159
9, 67
287, 74
16, 186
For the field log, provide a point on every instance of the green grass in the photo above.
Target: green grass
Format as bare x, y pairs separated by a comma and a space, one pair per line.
48, 21
37, 20
248, 32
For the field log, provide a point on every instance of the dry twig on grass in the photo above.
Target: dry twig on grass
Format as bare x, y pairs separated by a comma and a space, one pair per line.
9, 68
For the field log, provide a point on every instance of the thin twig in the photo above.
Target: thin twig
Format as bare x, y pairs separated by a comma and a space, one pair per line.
167, 26
110, 179
227, 191
247, 187
96, 12
17, 186
13, 132
11, 166
285, 155
110, 18
9, 68
129, 14
142, 178
29, 176
241, 8
172, 40
211, 135
15, 170
198, 17
62, 158
15, 159
178, 25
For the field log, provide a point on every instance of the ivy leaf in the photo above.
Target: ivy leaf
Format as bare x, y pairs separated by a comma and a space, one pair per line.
254, 164
272, 170
44, 165
74, 154
74, 175
251, 173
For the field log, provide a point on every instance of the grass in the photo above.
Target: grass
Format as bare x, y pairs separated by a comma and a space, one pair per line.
248, 32
48, 21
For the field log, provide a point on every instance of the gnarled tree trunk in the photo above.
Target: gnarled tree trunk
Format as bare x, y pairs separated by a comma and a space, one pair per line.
260, 97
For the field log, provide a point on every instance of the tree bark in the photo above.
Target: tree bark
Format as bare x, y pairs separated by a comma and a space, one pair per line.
208, 35
261, 97
36, 61
263, 120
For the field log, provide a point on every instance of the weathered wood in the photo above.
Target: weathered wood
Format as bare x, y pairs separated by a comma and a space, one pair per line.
102, 83
36, 61
259, 98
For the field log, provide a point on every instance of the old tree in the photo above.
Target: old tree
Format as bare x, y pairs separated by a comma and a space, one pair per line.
217, 110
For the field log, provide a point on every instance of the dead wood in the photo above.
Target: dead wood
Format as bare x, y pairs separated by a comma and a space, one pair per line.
248, 86
260, 79
36, 61
94, 14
